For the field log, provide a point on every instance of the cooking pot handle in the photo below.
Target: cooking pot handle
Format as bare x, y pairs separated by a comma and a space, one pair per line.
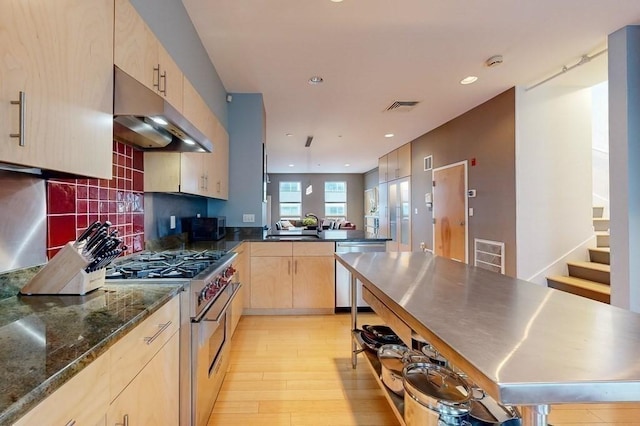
501, 413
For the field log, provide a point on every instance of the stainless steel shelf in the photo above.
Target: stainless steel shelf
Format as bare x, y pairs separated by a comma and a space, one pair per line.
396, 402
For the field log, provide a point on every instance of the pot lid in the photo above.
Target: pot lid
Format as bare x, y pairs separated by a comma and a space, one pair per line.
433, 355
392, 356
433, 385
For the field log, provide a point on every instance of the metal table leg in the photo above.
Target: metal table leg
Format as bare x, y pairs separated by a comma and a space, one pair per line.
534, 415
354, 320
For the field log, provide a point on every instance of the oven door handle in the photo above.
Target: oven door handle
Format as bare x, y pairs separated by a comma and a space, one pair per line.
226, 305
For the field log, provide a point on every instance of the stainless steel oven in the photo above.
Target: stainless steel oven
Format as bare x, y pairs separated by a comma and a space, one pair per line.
209, 336
210, 285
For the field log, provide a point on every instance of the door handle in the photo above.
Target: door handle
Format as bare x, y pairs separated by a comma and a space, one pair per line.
163, 89
21, 102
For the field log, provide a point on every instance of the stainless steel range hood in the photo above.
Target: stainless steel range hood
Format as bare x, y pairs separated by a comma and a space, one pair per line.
143, 118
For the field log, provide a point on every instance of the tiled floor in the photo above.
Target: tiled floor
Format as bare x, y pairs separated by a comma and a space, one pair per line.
296, 371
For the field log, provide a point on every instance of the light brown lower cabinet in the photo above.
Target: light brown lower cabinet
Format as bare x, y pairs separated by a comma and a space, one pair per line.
134, 383
292, 276
152, 396
83, 399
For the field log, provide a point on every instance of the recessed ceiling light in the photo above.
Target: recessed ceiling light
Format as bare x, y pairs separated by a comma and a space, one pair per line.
336, 1
469, 80
316, 79
347, 165
290, 165
389, 135
288, 134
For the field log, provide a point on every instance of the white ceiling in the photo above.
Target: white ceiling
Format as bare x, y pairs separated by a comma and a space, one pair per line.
373, 52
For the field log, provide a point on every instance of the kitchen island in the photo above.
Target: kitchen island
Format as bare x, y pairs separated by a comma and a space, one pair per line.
47, 340
524, 344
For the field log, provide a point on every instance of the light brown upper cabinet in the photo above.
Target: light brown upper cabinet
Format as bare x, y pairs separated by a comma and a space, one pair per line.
56, 85
139, 53
205, 174
395, 165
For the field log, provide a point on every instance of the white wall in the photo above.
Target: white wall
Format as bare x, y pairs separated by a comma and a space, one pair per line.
600, 128
624, 147
553, 178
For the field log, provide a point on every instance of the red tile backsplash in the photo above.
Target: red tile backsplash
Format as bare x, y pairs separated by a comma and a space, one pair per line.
72, 204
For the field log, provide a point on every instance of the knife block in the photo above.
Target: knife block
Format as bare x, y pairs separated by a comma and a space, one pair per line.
64, 274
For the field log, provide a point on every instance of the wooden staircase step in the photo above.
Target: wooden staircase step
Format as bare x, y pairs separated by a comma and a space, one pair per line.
602, 239
591, 271
600, 224
598, 211
585, 288
600, 255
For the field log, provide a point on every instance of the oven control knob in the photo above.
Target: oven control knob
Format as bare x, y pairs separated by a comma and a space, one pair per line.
229, 272
202, 296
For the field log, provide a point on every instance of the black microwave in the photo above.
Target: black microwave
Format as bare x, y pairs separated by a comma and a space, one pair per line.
204, 228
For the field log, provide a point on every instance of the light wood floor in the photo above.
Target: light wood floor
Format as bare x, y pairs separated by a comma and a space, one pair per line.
296, 371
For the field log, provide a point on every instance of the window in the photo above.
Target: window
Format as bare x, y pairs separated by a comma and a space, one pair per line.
335, 200
290, 200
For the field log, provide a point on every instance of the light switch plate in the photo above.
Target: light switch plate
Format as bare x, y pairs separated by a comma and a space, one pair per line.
248, 218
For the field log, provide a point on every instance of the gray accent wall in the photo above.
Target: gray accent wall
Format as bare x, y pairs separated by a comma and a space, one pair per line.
246, 137
170, 22
314, 202
159, 207
486, 133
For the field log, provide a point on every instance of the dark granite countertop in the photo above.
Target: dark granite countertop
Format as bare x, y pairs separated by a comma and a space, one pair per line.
236, 236
46, 340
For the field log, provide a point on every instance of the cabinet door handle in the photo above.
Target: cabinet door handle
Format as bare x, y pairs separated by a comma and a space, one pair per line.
21, 102
71, 423
219, 186
156, 77
288, 267
163, 89
162, 327
125, 421
295, 266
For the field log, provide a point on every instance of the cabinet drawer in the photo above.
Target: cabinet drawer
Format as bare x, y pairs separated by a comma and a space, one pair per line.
83, 399
135, 350
314, 249
396, 324
271, 249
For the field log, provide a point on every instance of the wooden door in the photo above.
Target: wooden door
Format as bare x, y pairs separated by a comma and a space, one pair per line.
152, 397
450, 211
171, 79
136, 49
192, 180
271, 282
60, 55
314, 282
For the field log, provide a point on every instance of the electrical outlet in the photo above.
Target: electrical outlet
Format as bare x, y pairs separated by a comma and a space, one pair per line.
248, 218
172, 222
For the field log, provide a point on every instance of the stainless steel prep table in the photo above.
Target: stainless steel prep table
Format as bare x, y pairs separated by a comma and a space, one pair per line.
525, 344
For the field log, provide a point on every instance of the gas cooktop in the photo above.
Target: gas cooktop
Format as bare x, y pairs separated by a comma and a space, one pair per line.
164, 264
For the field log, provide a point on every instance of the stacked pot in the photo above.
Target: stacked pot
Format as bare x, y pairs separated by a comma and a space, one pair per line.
434, 394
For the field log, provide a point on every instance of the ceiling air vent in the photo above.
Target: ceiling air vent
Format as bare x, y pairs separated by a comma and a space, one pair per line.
403, 106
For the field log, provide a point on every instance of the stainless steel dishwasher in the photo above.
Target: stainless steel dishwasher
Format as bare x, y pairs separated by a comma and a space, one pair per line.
343, 293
